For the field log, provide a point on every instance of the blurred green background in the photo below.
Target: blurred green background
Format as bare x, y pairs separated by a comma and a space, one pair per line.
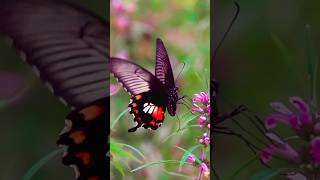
264, 59
31, 117
184, 27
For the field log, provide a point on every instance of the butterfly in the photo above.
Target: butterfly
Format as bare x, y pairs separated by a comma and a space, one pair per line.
68, 47
151, 94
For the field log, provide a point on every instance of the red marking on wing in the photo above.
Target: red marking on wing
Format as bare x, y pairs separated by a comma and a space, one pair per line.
78, 136
134, 104
138, 97
152, 123
160, 114
85, 157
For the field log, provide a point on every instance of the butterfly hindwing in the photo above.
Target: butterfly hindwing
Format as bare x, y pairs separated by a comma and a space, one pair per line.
69, 48
85, 137
147, 110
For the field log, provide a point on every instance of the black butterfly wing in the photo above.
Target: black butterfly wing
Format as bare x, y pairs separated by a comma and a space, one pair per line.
163, 68
148, 101
67, 45
134, 78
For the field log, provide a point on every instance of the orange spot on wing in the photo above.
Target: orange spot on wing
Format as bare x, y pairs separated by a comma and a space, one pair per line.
138, 97
78, 137
91, 112
136, 111
85, 157
134, 104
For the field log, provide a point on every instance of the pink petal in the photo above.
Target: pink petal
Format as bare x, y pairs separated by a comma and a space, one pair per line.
114, 89
305, 116
283, 149
315, 150
281, 108
296, 176
266, 154
272, 120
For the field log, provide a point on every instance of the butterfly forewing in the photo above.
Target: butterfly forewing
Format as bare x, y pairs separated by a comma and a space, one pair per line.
134, 78
70, 52
163, 68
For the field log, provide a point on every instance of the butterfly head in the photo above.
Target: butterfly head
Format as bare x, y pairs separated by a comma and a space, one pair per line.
172, 101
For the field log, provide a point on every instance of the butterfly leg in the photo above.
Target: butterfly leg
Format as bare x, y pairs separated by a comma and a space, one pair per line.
224, 130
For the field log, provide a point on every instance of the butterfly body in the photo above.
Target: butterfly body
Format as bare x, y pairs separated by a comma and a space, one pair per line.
151, 94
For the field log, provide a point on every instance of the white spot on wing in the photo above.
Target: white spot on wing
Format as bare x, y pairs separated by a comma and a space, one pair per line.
146, 109
145, 104
151, 109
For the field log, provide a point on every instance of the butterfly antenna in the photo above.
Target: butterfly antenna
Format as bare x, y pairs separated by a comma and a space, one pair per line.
184, 64
228, 29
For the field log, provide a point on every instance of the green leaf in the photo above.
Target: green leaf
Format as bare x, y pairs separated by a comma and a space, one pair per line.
265, 174
186, 154
117, 150
132, 148
155, 163
178, 131
119, 167
118, 118
35, 168
176, 174
191, 118
245, 165
312, 66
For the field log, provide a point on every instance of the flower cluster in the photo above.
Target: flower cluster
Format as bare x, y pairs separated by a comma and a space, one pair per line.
122, 11
203, 168
306, 126
201, 107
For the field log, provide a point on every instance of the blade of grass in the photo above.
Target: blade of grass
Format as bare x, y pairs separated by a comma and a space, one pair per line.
133, 148
186, 154
118, 118
176, 174
35, 168
245, 165
265, 175
155, 163
312, 66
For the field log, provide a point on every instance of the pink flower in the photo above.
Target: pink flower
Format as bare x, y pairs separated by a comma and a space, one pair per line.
118, 6
191, 158
202, 97
266, 154
205, 139
202, 120
284, 115
204, 169
196, 108
114, 89
315, 150
122, 22
279, 148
